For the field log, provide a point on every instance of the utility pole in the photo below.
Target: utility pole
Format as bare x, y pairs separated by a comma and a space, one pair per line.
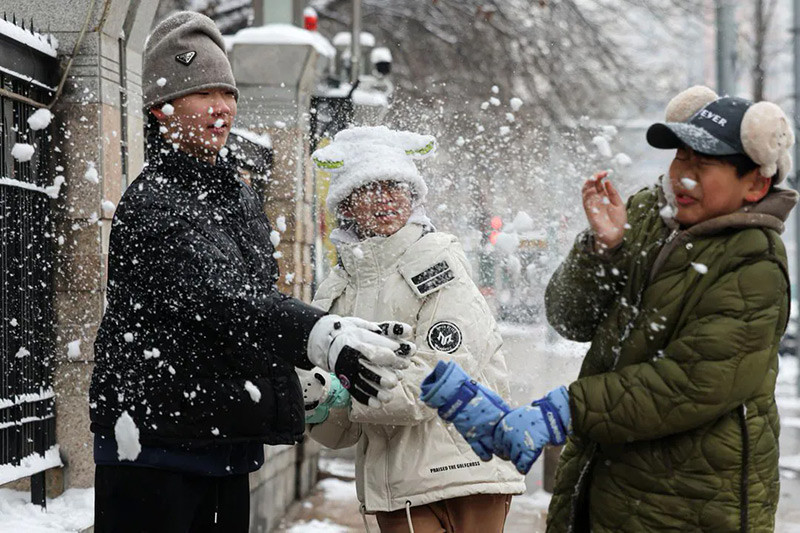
355, 43
726, 47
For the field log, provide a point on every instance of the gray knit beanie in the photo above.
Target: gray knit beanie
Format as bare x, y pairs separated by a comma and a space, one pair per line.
184, 54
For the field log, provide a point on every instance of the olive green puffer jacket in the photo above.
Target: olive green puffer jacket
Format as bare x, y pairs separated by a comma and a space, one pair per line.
674, 417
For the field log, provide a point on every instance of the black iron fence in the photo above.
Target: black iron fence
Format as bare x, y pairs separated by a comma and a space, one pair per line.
27, 415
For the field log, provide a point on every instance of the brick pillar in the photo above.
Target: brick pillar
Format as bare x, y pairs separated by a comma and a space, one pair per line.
97, 140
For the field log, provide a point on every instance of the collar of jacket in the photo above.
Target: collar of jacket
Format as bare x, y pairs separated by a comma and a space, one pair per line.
372, 259
197, 175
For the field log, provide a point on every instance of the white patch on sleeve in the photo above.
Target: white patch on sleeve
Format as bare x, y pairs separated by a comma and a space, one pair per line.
255, 394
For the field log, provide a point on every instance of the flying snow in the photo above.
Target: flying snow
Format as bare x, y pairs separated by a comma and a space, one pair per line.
74, 349
280, 223
22, 152
91, 173
167, 109
108, 208
22, 352
689, 183
700, 267
161, 82
274, 238
255, 394
127, 435
602, 146
40, 119
515, 104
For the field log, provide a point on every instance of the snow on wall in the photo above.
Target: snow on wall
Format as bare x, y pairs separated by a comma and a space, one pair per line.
33, 40
282, 34
32, 464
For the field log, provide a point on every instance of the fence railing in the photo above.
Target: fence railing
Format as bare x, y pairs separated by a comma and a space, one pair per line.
27, 410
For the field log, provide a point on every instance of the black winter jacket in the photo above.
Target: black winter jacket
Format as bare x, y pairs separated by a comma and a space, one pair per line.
194, 315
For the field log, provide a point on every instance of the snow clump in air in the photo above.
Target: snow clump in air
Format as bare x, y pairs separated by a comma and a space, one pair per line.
255, 394
40, 119
522, 222
700, 267
22, 152
689, 183
22, 352
74, 349
91, 174
602, 146
507, 243
515, 104
280, 223
274, 238
622, 160
127, 435
108, 208
167, 109
161, 82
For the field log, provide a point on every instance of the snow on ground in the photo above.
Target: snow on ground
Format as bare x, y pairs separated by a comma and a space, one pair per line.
317, 526
337, 489
337, 467
72, 511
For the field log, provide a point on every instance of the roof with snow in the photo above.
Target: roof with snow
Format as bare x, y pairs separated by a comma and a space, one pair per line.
282, 34
344, 38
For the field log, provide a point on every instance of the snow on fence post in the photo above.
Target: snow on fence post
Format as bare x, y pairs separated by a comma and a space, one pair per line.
27, 419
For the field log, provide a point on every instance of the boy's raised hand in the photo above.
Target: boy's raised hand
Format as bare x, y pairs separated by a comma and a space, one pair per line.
605, 211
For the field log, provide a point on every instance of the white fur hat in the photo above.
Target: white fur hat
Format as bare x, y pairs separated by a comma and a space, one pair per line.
707, 123
362, 155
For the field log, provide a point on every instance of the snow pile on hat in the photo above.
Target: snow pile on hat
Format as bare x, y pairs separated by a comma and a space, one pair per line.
714, 125
362, 155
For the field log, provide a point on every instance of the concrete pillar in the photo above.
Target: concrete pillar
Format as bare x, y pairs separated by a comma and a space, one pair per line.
98, 145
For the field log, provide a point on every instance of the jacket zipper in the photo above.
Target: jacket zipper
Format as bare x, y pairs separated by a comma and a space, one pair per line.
625, 334
743, 496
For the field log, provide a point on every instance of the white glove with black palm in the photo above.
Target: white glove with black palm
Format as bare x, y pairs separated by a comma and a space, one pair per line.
360, 355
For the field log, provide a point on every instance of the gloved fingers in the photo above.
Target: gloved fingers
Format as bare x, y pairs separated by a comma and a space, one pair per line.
380, 356
371, 392
383, 378
375, 339
359, 395
524, 459
355, 322
407, 349
480, 450
396, 330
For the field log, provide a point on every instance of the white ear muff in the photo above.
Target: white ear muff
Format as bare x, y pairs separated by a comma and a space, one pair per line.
767, 137
685, 104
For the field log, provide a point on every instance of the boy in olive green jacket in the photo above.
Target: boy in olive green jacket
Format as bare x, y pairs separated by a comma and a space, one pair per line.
683, 293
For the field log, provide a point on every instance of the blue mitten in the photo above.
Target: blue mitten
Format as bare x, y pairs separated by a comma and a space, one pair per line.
471, 407
523, 432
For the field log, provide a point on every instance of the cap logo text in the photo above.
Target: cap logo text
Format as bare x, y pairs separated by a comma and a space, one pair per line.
713, 117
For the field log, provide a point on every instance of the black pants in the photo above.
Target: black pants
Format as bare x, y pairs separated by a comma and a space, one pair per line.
148, 500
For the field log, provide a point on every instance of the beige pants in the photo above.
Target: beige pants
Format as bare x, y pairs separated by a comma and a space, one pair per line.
479, 513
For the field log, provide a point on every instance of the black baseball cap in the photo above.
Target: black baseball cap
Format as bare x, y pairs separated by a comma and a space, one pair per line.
714, 130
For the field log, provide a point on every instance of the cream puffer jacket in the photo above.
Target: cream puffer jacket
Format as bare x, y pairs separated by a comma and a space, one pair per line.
406, 455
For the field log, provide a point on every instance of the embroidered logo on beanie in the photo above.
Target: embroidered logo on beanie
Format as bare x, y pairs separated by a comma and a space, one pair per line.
186, 58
